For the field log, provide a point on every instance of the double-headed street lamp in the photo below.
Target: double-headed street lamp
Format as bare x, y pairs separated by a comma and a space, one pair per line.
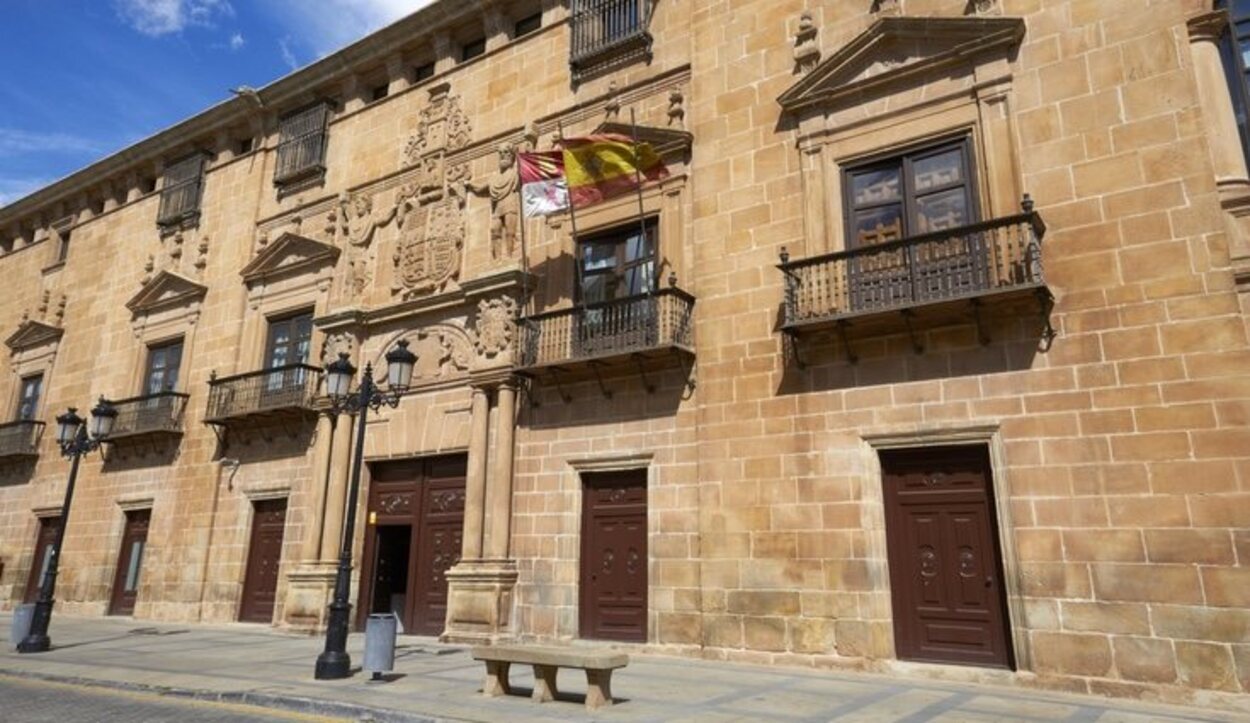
334, 662
72, 434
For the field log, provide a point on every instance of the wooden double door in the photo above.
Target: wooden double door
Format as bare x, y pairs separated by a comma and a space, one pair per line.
613, 603
946, 576
264, 556
413, 536
130, 563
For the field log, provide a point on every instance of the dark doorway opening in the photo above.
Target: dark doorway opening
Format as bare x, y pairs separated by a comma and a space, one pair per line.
46, 538
390, 571
260, 582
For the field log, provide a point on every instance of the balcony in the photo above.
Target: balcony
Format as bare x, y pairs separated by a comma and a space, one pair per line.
631, 329
19, 440
149, 417
945, 277
277, 394
608, 32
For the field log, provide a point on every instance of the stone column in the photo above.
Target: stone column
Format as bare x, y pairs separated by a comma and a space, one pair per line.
475, 485
311, 581
500, 488
336, 493
1217, 105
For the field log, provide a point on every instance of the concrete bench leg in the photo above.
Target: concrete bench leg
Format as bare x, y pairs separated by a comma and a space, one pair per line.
496, 679
544, 683
598, 689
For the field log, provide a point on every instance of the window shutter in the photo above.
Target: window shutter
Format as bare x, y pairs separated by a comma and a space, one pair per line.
180, 194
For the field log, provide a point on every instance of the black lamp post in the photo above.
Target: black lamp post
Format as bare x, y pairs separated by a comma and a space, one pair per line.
334, 662
72, 435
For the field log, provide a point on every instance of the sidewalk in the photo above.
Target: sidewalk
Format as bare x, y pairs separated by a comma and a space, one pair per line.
258, 665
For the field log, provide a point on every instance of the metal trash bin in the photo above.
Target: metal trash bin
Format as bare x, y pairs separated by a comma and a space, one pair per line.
380, 631
20, 627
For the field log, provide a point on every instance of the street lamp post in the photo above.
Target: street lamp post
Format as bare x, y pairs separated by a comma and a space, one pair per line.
72, 435
334, 662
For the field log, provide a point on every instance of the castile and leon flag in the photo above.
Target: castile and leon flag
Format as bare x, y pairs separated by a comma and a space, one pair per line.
588, 170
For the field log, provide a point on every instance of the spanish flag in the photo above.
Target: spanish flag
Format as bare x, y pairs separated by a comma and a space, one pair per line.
599, 167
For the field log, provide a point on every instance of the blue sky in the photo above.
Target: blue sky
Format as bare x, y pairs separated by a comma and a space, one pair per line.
80, 79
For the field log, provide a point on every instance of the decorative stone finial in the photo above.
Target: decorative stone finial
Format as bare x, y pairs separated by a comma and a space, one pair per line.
612, 108
981, 7
676, 108
806, 49
887, 7
785, 255
1026, 203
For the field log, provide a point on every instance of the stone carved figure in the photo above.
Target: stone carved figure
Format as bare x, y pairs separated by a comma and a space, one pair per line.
505, 204
495, 327
441, 124
358, 223
444, 353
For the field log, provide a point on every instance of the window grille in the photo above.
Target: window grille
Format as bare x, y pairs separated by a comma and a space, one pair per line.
302, 144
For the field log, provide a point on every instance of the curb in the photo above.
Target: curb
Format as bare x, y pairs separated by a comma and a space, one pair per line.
295, 704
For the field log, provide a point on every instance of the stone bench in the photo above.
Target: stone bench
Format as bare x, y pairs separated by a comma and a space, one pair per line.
546, 660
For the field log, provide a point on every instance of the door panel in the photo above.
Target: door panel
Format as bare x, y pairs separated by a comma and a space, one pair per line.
44, 541
260, 585
426, 498
130, 563
949, 603
614, 556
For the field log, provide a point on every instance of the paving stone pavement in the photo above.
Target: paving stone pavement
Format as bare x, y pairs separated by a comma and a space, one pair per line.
256, 664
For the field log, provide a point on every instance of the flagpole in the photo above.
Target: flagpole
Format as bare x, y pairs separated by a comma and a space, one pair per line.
642, 214
577, 261
521, 217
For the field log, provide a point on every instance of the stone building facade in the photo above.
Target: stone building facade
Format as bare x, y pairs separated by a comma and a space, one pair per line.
931, 348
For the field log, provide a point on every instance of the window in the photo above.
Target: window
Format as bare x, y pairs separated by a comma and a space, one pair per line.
527, 25
180, 196
472, 49
164, 361
1235, 54
28, 398
61, 236
244, 147
302, 143
617, 264
290, 340
380, 92
909, 195
423, 71
147, 185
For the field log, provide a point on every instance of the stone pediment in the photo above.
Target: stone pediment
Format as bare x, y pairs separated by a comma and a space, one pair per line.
166, 290
897, 49
290, 254
31, 334
665, 141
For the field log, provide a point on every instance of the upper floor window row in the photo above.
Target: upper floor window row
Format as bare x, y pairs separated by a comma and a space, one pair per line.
604, 31
1235, 53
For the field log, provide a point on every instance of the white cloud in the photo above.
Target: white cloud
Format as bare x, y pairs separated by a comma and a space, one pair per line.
284, 47
14, 142
236, 41
327, 25
164, 17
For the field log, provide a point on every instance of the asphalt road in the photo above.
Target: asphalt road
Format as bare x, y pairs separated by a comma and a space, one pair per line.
25, 700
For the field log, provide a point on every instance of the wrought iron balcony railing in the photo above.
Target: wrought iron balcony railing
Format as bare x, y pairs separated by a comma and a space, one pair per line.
20, 438
602, 28
153, 414
275, 391
971, 262
637, 324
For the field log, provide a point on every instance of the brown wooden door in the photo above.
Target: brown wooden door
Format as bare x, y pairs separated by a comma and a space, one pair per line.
945, 566
438, 548
44, 540
130, 563
614, 556
260, 584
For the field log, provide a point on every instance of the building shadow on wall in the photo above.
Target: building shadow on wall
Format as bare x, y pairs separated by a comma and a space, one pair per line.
17, 471
267, 442
621, 395
134, 455
829, 360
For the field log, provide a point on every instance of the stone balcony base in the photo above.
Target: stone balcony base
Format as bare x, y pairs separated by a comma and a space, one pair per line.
479, 602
